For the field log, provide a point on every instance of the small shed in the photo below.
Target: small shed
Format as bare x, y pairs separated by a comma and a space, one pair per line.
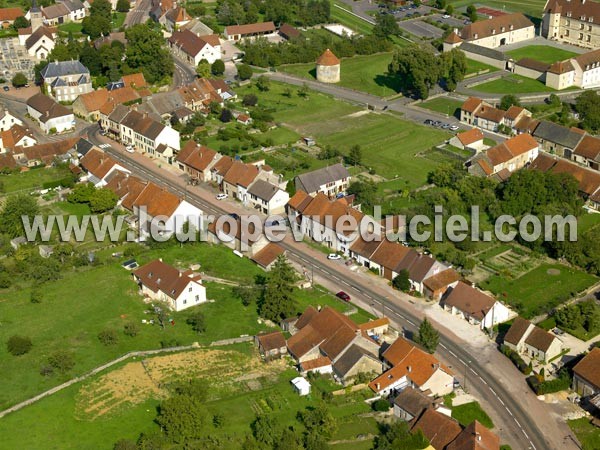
46, 251
301, 385
17, 242
308, 141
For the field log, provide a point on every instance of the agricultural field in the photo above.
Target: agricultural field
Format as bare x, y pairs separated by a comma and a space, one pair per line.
543, 53
513, 84
361, 73
122, 403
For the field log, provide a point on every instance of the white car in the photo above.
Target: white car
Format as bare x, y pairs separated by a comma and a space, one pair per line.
446, 16
129, 148
334, 256
221, 196
454, 127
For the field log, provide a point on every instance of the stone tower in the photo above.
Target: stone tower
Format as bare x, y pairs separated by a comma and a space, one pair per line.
35, 16
328, 67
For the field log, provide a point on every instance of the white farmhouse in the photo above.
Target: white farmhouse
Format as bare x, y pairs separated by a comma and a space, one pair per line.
51, 116
179, 290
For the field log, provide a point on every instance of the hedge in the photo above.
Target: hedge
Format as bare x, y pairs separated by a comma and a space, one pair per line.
64, 182
517, 360
547, 387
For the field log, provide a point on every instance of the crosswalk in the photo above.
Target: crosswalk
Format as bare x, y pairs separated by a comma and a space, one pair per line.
104, 145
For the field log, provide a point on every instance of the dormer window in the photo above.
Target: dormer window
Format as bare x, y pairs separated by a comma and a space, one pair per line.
591, 19
582, 17
493, 31
503, 29
512, 27
568, 13
475, 36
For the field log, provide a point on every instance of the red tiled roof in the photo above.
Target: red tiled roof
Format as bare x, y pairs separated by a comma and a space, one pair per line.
271, 341
469, 300
475, 437
158, 201
471, 136
441, 279
327, 58
439, 429
496, 25
10, 14
159, 276
589, 367
268, 254
250, 28
471, 104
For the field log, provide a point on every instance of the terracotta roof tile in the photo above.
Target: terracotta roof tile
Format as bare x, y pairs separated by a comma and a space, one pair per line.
438, 428
475, 437
471, 104
485, 28
589, 367
468, 300
517, 330
268, 254
159, 276
441, 279
251, 28
469, 137
327, 58
271, 341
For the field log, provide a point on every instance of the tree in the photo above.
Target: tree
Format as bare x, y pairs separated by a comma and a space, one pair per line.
355, 155
203, 69
20, 22
103, 200
108, 337
454, 67
247, 294
18, 345
449, 9
81, 193
131, 329
226, 115
218, 67
263, 84
588, 106
318, 419
197, 321
397, 436
277, 301
303, 90
263, 429
19, 80
36, 296
509, 100
14, 208
401, 281
146, 52
123, 6
428, 336
244, 72
99, 22
416, 68
250, 100
183, 417
386, 26
289, 440
365, 191
61, 360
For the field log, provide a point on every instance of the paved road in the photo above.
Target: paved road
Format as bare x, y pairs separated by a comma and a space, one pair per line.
524, 421
183, 73
139, 14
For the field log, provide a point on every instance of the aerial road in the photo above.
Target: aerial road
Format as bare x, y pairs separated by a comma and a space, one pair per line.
526, 422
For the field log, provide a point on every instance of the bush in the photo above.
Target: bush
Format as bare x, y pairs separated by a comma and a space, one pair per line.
381, 405
517, 360
18, 345
250, 100
108, 337
244, 71
61, 360
36, 296
131, 329
547, 387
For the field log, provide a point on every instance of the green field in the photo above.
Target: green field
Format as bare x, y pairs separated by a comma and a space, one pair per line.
588, 434
361, 73
474, 67
71, 27
539, 291
513, 84
32, 179
532, 8
443, 105
71, 318
543, 53
465, 415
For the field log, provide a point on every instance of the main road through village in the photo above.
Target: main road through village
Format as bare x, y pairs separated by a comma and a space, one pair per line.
522, 421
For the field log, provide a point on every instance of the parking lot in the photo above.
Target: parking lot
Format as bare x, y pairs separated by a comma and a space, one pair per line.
14, 58
421, 29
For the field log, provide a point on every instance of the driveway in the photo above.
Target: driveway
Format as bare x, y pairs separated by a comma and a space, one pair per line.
228, 50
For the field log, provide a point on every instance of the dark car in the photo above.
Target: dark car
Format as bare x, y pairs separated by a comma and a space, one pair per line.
428, 122
343, 296
6, 88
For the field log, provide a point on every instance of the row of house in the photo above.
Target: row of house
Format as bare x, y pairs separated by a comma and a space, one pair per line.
136, 194
254, 185
570, 143
64, 11
575, 22
21, 150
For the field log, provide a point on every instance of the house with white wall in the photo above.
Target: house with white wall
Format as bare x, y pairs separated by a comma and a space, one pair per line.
194, 49
498, 31
51, 116
527, 338
164, 283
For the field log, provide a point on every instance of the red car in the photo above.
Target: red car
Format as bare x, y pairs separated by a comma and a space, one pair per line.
343, 296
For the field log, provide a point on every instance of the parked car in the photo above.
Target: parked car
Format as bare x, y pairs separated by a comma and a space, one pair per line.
234, 215
130, 149
558, 332
445, 126
343, 296
454, 127
221, 196
446, 16
428, 122
6, 88
334, 256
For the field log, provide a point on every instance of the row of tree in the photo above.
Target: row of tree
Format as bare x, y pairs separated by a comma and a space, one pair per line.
298, 12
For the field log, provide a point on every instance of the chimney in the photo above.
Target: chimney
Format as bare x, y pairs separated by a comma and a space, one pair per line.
477, 435
180, 274
160, 259
409, 369
377, 386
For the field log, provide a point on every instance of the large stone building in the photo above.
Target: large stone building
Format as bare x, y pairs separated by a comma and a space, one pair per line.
328, 68
66, 80
574, 22
498, 31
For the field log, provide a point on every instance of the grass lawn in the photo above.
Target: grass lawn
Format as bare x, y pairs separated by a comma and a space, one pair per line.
362, 73
32, 179
543, 53
475, 67
443, 105
530, 7
588, 434
513, 84
587, 221
467, 413
345, 18
118, 19
538, 291
71, 27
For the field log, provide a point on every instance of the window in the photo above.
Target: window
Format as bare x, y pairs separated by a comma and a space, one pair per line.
567, 33
589, 28
589, 38
581, 26
184, 301
197, 298
190, 289
568, 22
580, 36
